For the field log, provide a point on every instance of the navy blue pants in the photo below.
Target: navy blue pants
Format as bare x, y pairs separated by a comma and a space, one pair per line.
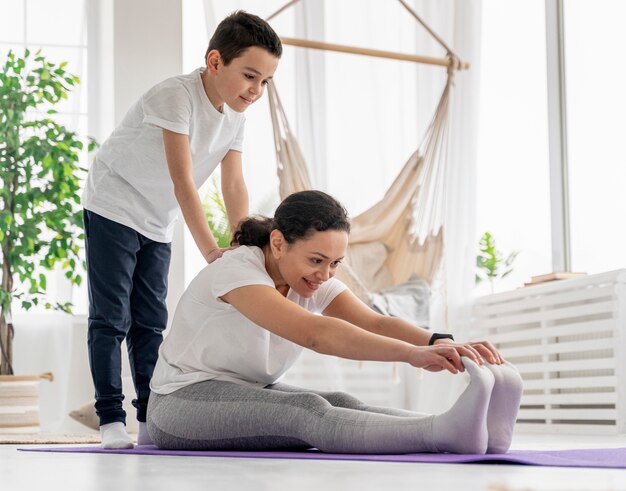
127, 280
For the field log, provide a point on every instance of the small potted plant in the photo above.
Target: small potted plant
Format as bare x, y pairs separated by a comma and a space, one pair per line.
40, 216
490, 264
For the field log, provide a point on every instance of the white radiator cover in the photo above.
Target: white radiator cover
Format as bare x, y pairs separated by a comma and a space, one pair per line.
568, 340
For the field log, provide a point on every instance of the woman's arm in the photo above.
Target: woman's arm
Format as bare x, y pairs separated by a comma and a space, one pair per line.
348, 307
266, 307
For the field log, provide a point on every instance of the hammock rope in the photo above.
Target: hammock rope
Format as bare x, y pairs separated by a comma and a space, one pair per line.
409, 218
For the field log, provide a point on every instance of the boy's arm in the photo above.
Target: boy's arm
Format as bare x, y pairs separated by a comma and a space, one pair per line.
234, 189
180, 166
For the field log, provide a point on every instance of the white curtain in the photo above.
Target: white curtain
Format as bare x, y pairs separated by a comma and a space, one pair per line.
310, 74
460, 24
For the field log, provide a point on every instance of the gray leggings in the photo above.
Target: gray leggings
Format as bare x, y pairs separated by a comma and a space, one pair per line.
217, 415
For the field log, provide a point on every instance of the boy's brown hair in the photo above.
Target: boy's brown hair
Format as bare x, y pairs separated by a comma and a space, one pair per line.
240, 31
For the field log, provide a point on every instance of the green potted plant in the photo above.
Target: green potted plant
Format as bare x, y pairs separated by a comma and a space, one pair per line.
490, 264
40, 173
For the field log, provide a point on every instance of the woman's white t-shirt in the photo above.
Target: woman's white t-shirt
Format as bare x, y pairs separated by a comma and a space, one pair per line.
129, 181
211, 340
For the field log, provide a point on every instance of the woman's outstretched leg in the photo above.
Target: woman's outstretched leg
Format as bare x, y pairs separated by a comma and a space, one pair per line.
348, 401
226, 416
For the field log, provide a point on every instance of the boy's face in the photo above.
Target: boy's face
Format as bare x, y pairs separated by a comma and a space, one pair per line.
243, 81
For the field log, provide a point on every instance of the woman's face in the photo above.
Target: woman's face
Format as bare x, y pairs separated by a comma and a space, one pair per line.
308, 263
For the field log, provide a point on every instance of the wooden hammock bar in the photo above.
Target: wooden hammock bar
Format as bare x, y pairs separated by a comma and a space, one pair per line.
451, 61
305, 43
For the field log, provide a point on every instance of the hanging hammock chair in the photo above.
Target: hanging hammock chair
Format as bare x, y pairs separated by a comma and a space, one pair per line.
405, 228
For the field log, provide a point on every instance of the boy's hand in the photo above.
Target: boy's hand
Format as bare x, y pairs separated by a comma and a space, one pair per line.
214, 254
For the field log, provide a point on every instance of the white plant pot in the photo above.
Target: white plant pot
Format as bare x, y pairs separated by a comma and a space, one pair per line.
19, 402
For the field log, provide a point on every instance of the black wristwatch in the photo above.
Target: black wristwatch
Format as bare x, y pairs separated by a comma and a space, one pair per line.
437, 336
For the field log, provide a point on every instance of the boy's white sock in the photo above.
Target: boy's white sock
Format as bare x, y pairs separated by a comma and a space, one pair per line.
114, 436
463, 428
504, 406
143, 438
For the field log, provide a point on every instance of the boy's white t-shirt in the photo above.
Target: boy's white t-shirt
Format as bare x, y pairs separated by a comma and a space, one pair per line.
129, 181
211, 340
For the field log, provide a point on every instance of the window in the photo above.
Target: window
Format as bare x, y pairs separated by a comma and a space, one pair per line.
513, 186
26, 23
596, 103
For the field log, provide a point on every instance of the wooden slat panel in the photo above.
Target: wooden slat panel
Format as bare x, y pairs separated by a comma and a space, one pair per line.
605, 325
565, 414
538, 301
579, 398
570, 383
563, 366
565, 428
554, 348
547, 315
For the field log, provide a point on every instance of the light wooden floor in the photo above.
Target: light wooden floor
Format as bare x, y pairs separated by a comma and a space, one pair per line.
48, 471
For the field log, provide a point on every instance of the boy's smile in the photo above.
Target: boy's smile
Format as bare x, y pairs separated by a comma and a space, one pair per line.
240, 83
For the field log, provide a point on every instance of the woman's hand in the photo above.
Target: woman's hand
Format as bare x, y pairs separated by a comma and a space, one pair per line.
475, 350
436, 358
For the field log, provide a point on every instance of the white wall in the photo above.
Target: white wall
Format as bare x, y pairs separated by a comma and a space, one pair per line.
147, 42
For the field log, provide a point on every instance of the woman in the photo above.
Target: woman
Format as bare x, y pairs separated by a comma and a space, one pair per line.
244, 320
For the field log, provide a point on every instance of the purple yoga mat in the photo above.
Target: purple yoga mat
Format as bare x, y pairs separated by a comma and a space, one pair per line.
598, 457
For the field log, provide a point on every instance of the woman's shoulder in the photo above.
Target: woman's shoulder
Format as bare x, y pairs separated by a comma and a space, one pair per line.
237, 267
244, 253
241, 261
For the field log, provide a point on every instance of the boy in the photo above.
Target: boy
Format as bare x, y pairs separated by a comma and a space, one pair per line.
151, 166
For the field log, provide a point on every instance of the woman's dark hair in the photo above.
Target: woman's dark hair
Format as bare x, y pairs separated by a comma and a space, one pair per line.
240, 31
297, 217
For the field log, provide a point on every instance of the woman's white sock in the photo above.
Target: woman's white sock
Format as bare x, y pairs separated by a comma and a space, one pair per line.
463, 428
504, 406
114, 436
143, 437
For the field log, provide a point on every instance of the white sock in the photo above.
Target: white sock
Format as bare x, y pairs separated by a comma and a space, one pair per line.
504, 405
114, 436
463, 428
143, 437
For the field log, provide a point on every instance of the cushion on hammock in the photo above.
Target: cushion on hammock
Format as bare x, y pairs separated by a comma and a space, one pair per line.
409, 301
